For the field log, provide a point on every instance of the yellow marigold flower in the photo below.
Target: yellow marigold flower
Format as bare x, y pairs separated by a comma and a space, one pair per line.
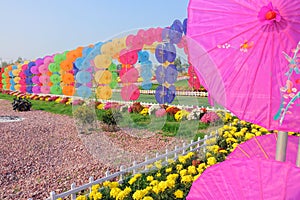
231, 140
181, 159
234, 145
178, 115
178, 194
248, 136
114, 184
122, 195
192, 170
170, 183
196, 177
132, 180
190, 154
98, 196
183, 172
162, 186
169, 169
243, 122
258, 133
239, 134
145, 111
158, 164
139, 194
201, 166
154, 182
95, 187
171, 161
81, 197
172, 176
223, 151
186, 179
253, 130
148, 198
211, 161
208, 154
150, 178
155, 189
263, 130
158, 174
127, 190
106, 183
179, 167
114, 192
100, 106
92, 194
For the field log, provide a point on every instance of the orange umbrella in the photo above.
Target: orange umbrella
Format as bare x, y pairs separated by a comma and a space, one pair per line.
68, 78
66, 65
68, 90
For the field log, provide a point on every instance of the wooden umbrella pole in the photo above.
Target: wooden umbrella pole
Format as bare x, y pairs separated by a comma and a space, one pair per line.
281, 146
298, 154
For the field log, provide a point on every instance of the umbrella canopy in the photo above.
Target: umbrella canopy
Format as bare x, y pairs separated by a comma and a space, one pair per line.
237, 179
264, 147
236, 48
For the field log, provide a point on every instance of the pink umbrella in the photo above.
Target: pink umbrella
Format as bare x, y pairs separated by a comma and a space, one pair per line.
237, 179
264, 147
236, 47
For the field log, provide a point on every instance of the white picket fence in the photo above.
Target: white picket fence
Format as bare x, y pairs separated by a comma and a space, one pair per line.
193, 146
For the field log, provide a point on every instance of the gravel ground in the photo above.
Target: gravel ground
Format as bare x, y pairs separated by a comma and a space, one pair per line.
44, 153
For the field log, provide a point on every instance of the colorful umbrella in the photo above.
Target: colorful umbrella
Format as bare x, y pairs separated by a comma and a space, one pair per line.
264, 147
236, 179
236, 47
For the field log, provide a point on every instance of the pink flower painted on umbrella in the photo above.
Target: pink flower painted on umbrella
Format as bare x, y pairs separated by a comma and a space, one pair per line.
268, 14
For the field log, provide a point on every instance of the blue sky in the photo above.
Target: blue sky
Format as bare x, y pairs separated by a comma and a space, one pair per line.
36, 28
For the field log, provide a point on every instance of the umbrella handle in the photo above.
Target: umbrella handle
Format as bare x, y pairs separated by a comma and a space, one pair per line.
281, 146
298, 155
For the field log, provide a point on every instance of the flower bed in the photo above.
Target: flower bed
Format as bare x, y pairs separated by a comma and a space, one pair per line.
174, 180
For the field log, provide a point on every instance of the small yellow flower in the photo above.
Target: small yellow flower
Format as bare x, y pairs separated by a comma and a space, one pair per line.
183, 172
150, 178
81, 197
154, 182
211, 161
158, 164
178, 194
181, 159
171, 161
148, 198
145, 111
179, 167
186, 179
192, 170
169, 169
114, 192
158, 174
248, 136
100, 106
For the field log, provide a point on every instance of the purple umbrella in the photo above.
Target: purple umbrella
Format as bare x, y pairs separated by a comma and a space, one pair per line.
237, 48
237, 179
245, 41
264, 147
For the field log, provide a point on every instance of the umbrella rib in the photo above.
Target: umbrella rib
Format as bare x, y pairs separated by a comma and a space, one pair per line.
261, 148
253, 80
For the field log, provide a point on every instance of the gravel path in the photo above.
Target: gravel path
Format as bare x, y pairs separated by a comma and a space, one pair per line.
40, 154
44, 153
